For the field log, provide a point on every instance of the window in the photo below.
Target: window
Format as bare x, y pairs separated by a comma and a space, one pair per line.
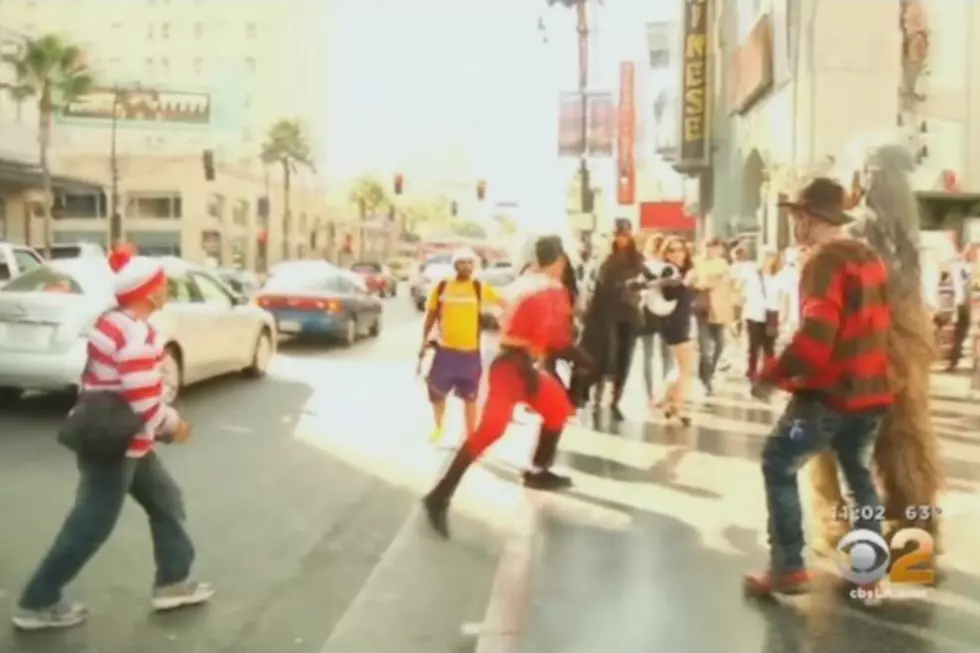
165, 31
216, 206
26, 259
198, 30
4, 267
211, 292
181, 291
44, 278
251, 30
156, 206
239, 213
88, 206
250, 64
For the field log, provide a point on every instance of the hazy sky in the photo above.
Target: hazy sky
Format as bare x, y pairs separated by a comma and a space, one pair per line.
465, 86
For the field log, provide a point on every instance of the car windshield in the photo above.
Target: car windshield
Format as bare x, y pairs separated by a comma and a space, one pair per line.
297, 282
369, 268
65, 251
65, 279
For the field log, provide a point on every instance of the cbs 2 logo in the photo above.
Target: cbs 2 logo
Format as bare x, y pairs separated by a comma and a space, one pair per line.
864, 557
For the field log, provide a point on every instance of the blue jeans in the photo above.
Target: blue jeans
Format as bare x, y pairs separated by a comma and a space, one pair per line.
102, 490
807, 428
711, 345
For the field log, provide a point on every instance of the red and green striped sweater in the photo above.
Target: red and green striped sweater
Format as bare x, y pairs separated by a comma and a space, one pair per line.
840, 351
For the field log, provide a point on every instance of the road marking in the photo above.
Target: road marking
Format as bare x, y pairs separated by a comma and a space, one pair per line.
362, 594
510, 594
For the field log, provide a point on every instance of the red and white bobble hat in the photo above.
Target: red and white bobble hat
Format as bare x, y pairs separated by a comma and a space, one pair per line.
134, 277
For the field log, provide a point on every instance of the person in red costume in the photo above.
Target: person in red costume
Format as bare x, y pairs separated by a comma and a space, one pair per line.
536, 325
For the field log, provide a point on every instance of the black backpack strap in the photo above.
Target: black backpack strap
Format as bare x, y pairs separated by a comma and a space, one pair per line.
478, 291
440, 290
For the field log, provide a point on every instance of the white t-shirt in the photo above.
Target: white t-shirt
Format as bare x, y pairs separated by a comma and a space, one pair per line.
762, 294
789, 288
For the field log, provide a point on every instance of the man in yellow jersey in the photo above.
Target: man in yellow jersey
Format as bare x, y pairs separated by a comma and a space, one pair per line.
457, 366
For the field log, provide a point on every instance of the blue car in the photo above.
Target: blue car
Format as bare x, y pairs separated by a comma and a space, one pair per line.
316, 299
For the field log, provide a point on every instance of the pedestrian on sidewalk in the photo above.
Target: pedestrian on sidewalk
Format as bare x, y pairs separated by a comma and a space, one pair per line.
836, 369
125, 355
535, 325
613, 318
761, 311
713, 309
676, 326
651, 338
961, 276
454, 306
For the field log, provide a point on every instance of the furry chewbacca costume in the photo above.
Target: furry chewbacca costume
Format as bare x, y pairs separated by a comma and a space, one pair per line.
907, 458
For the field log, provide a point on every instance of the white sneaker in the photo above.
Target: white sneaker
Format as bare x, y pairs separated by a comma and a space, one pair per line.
181, 595
60, 615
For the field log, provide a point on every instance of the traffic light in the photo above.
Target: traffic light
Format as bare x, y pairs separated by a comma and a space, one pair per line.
481, 190
399, 181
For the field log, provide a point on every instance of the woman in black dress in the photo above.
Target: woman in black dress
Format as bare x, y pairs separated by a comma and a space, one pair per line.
675, 328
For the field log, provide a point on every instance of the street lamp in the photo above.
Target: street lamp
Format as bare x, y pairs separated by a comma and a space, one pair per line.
115, 217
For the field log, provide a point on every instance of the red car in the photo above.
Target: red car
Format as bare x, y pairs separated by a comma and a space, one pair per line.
378, 278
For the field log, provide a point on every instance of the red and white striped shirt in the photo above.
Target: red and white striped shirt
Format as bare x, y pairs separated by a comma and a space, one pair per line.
125, 356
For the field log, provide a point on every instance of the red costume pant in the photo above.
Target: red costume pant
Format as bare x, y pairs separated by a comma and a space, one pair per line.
507, 387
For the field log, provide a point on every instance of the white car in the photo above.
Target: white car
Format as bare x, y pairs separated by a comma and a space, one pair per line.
435, 269
60, 251
15, 260
46, 313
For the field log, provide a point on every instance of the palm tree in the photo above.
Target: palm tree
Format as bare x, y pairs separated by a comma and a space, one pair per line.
55, 72
287, 144
370, 196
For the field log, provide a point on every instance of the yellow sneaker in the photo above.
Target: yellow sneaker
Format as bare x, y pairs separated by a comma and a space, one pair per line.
436, 435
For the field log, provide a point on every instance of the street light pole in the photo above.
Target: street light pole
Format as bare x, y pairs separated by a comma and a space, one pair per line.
115, 218
583, 87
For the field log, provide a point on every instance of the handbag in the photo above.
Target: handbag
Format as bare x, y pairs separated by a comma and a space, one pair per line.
100, 427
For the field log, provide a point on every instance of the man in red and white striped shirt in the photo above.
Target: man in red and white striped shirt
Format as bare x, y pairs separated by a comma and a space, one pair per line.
125, 355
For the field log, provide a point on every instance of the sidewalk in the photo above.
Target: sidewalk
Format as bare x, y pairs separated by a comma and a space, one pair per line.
647, 552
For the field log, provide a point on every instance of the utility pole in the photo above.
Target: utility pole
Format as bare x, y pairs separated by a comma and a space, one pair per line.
583, 87
115, 218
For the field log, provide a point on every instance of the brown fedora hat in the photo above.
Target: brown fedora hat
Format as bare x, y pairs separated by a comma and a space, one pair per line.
823, 198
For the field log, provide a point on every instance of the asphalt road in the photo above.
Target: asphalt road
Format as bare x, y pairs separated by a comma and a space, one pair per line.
302, 492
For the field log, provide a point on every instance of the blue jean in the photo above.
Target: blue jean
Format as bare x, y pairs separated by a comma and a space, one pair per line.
102, 490
711, 345
807, 428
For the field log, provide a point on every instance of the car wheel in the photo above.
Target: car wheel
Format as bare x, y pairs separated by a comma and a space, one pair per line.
350, 331
376, 327
261, 355
172, 371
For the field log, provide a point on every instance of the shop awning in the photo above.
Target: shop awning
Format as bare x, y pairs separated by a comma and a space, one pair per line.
26, 175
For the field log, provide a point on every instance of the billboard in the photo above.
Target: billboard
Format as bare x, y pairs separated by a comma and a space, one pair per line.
625, 156
694, 153
143, 105
601, 124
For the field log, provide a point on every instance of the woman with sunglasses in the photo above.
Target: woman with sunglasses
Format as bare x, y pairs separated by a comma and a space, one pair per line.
675, 328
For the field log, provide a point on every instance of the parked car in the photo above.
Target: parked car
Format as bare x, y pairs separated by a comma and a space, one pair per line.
46, 313
377, 277
315, 298
15, 260
75, 250
243, 282
435, 268
499, 274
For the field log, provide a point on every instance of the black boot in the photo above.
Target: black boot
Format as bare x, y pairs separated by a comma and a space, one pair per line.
436, 502
540, 477
617, 414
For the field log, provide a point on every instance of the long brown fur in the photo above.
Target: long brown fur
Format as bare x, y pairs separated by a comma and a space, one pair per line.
907, 459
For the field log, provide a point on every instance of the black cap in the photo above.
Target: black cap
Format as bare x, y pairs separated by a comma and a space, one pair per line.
622, 227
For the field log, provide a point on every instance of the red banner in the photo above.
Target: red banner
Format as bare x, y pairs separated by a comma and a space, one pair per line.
626, 164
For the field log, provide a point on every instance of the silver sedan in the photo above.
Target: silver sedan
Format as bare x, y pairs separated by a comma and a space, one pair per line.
46, 313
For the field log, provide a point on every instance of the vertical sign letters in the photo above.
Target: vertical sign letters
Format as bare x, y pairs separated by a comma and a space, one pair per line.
695, 146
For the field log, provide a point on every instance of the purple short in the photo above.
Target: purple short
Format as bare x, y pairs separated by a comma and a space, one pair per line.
457, 372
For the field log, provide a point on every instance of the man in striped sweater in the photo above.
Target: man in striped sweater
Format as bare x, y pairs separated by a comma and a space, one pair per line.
836, 368
124, 355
